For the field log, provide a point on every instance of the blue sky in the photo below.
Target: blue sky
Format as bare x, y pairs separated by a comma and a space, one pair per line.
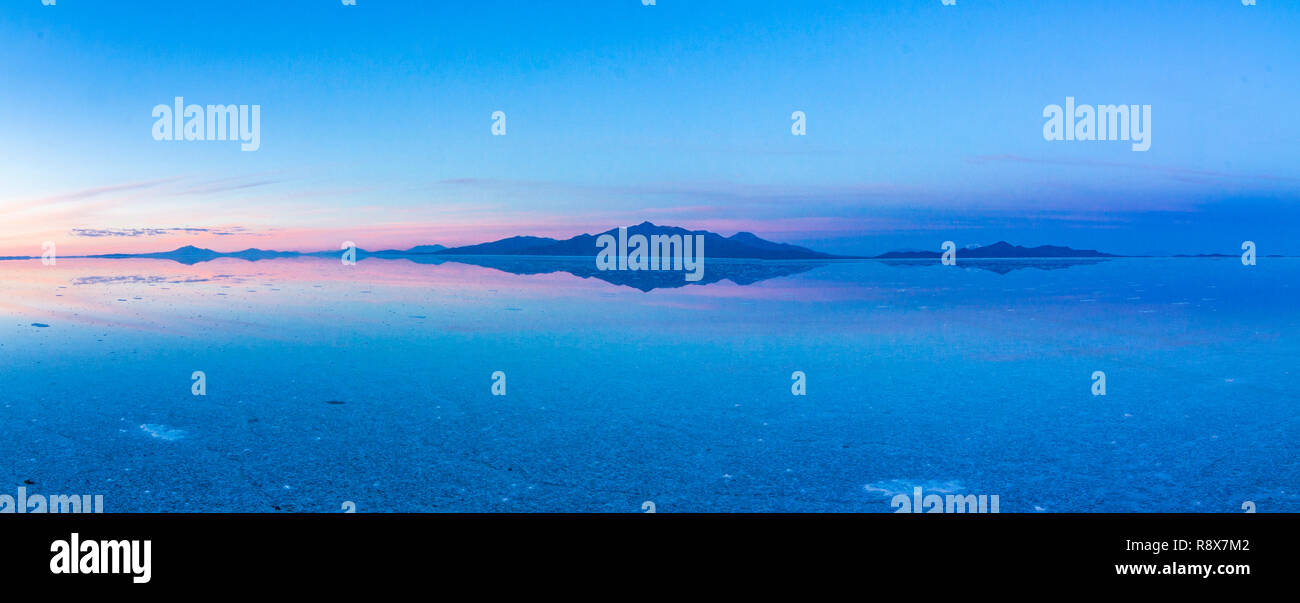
924, 122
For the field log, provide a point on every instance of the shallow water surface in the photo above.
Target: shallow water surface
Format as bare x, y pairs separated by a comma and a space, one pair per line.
372, 383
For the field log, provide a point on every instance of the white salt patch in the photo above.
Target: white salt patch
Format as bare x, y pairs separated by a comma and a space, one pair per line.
895, 487
163, 432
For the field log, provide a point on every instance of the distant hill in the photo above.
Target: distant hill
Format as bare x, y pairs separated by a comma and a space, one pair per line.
1000, 250
510, 246
417, 250
188, 254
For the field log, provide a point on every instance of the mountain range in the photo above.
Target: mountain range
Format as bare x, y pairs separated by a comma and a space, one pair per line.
1000, 250
742, 245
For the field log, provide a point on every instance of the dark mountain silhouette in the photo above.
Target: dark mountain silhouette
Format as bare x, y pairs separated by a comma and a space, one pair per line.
254, 254
417, 250
1000, 250
424, 249
510, 246
188, 254
742, 245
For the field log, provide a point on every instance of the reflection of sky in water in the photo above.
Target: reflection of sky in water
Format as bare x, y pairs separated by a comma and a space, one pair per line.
918, 374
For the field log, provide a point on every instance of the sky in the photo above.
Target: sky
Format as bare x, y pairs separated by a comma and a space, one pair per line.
924, 123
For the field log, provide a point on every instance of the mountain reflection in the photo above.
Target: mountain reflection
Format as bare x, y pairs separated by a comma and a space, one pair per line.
740, 272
